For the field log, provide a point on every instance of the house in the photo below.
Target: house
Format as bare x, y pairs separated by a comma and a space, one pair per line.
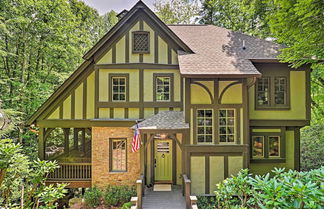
208, 101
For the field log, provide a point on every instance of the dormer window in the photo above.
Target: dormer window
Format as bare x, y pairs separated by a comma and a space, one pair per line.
141, 42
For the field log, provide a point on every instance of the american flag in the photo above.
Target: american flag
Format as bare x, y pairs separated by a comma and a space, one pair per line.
136, 139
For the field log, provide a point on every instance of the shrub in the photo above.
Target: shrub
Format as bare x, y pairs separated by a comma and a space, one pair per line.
312, 147
206, 202
127, 205
290, 189
118, 195
92, 197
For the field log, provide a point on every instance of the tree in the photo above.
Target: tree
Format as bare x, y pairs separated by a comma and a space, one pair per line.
299, 24
247, 16
176, 11
17, 171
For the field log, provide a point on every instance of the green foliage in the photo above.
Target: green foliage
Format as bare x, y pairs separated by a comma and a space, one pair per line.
247, 16
127, 205
290, 189
206, 202
92, 197
312, 147
118, 195
176, 11
17, 172
299, 25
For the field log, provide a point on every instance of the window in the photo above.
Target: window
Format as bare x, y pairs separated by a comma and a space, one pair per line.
258, 144
274, 146
141, 42
272, 92
118, 156
268, 146
204, 126
118, 86
280, 90
226, 125
163, 88
263, 91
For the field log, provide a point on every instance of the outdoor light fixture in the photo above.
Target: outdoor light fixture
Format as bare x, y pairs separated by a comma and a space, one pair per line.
161, 136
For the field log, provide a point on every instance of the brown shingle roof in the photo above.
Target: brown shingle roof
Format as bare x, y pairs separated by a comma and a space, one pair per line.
220, 51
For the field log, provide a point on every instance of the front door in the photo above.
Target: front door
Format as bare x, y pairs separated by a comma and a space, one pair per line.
163, 161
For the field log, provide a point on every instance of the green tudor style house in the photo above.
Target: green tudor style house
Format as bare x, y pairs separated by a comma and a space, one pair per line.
208, 101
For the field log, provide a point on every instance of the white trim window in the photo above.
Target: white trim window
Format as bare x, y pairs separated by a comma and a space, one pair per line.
227, 130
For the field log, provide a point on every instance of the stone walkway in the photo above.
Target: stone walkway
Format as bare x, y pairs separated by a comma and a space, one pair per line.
164, 200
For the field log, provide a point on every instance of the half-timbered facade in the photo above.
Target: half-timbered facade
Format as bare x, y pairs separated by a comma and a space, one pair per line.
208, 102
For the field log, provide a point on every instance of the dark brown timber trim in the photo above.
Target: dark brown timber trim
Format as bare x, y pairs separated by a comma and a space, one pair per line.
127, 47
84, 114
73, 105
61, 111
114, 54
225, 89
156, 47
225, 166
207, 174
141, 93
136, 66
85, 123
96, 93
298, 123
206, 89
297, 148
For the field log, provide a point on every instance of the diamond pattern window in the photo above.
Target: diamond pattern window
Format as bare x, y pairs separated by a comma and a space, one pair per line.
141, 42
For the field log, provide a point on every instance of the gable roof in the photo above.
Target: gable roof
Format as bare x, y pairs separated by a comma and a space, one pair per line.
219, 51
142, 7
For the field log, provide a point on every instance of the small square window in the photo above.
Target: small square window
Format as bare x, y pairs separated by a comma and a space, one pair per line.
141, 42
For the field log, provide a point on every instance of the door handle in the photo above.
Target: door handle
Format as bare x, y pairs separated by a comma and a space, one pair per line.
154, 163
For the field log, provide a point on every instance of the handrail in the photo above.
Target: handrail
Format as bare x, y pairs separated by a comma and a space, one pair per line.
138, 200
71, 172
191, 201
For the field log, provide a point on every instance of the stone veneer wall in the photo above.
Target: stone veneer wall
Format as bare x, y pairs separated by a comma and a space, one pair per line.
101, 176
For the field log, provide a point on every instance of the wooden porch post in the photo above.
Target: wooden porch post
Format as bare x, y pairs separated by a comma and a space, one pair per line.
41, 144
66, 140
83, 142
75, 138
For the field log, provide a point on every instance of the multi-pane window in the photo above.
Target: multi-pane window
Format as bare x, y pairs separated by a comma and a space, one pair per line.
266, 146
118, 155
141, 41
280, 90
263, 91
226, 125
163, 86
204, 126
118, 88
274, 146
258, 146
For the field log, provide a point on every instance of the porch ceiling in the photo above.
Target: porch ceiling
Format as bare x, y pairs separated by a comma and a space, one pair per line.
166, 120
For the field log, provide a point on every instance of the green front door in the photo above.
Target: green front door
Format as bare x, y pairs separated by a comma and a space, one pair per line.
163, 160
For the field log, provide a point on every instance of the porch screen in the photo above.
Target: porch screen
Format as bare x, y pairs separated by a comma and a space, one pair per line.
118, 155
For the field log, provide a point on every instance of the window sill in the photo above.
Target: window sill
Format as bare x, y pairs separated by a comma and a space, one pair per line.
117, 172
268, 160
273, 108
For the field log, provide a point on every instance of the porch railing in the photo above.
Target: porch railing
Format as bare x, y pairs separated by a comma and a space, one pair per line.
191, 201
71, 172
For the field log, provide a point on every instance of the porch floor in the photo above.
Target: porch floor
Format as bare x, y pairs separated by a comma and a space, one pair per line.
164, 200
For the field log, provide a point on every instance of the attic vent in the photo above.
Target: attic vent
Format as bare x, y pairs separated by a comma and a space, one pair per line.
141, 42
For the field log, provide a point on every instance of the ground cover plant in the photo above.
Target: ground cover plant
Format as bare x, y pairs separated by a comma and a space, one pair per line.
280, 189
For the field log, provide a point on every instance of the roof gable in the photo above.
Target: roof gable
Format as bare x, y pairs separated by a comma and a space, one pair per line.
139, 10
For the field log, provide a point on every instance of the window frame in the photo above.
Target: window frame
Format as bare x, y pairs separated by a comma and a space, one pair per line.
171, 88
133, 42
111, 153
263, 146
111, 76
266, 158
197, 126
235, 134
272, 105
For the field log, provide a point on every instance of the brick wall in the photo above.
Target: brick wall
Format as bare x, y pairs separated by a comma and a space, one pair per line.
100, 157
